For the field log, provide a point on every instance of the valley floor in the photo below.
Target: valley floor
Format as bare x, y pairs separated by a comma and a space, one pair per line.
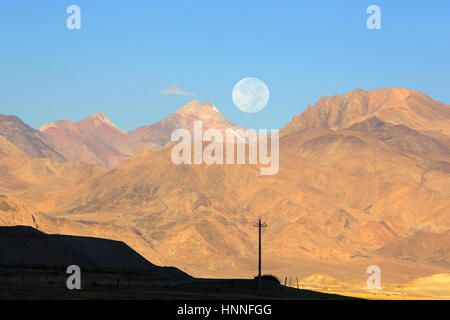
379, 295
43, 284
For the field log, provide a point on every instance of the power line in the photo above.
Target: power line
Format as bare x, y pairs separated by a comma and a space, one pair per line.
260, 225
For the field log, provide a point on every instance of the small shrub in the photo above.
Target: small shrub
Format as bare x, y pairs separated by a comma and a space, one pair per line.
269, 277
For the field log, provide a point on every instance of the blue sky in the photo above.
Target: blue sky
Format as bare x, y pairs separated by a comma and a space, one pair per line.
128, 51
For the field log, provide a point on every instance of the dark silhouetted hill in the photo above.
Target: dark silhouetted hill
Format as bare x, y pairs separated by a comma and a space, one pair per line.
23, 245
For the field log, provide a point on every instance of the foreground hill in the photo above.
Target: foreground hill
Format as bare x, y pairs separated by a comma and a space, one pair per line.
23, 246
33, 266
14, 212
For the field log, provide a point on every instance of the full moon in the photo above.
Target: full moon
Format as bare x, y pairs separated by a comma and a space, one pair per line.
250, 95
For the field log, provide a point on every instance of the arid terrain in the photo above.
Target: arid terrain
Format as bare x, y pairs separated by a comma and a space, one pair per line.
33, 265
364, 179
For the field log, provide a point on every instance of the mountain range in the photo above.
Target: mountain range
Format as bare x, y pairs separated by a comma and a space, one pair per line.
364, 179
96, 140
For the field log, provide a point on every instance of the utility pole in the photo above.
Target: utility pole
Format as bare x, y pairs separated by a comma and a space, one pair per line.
259, 225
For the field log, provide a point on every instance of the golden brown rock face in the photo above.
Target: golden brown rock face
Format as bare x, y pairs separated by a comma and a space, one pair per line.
394, 105
364, 179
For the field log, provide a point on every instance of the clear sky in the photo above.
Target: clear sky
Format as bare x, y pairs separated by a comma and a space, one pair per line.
128, 51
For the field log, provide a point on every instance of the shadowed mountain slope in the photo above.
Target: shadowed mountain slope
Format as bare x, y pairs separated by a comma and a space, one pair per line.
19, 139
22, 245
